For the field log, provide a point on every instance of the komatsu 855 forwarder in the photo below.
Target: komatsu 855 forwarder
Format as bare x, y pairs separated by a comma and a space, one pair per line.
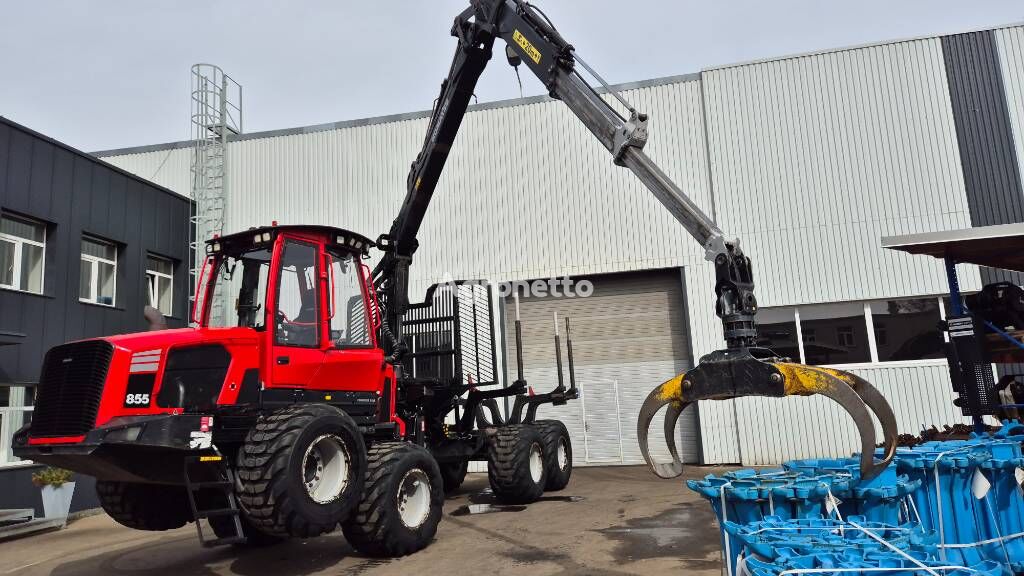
323, 398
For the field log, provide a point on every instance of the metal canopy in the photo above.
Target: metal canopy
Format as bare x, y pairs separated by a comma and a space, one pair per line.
1000, 246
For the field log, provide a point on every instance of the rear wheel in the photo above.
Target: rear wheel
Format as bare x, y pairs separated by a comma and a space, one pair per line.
557, 454
516, 464
453, 474
401, 504
145, 506
301, 470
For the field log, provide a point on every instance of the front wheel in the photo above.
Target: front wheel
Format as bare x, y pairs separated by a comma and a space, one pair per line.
300, 470
144, 506
400, 507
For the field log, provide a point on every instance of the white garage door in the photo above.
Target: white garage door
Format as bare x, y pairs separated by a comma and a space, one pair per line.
628, 336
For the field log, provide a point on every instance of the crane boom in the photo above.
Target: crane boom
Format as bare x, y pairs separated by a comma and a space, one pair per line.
741, 369
532, 39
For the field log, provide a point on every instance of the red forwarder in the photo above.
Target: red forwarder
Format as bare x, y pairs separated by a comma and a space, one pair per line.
282, 417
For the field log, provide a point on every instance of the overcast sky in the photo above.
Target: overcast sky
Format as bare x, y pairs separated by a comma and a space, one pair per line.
101, 74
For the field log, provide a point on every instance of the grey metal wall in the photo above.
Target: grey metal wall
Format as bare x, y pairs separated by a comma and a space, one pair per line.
809, 159
74, 194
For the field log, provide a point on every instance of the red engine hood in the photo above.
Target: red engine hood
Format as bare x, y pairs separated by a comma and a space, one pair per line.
140, 341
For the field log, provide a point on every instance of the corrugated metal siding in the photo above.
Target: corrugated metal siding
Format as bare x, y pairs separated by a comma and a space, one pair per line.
1010, 44
506, 207
814, 158
774, 430
168, 168
991, 172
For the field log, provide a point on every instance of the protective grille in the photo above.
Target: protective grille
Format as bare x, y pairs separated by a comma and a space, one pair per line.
70, 388
449, 335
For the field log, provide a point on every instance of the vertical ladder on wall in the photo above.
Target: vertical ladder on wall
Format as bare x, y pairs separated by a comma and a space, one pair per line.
216, 115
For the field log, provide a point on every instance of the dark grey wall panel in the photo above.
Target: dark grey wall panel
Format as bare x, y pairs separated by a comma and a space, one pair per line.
984, 133
75, 193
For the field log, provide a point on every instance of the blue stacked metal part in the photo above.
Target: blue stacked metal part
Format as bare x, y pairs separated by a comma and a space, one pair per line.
931, 505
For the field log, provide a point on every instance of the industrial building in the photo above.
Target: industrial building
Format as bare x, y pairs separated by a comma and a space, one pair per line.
84, 247
809, 159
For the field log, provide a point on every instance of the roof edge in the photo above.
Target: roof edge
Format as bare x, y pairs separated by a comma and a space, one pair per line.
91, 157
389, 118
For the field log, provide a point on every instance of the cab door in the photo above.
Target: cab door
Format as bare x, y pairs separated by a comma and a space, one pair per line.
296, 351
352, 362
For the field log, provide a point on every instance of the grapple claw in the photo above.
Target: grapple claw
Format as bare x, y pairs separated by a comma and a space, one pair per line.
757, 372
669, 393
856, 396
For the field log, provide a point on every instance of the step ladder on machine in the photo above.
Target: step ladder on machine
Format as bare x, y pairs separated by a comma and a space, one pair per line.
215, 475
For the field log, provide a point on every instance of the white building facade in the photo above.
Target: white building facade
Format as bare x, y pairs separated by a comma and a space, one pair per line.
810, 160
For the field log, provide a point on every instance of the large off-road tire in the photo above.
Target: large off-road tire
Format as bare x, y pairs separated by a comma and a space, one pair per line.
301, 470
145, 506
516, 464
453, 474
557, 454
401, 503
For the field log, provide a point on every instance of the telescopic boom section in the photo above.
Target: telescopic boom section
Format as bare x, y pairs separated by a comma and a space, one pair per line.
741, 369
533, 40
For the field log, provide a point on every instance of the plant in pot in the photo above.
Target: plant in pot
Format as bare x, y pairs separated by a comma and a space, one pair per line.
57, 489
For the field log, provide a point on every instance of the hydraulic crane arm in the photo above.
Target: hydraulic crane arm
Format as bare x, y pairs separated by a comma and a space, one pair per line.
742, 369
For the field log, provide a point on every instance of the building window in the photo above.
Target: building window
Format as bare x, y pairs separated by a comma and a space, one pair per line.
844, 336
907, 329
98, 281
840, 333
15, 412
900, 330
776, 329
160, 283
22, 253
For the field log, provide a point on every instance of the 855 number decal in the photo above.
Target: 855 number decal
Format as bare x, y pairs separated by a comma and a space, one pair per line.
135, 400
139, 393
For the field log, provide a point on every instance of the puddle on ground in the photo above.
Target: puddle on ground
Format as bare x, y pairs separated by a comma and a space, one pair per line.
685, 530
469, 509
485, 503
487, 497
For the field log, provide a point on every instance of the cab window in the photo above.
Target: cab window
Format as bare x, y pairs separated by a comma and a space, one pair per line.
297, 311
349, 323
239, 290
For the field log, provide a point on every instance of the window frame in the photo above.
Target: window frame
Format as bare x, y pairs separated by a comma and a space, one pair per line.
870, 326
16, 404
94, 271
19, 244
317, 289
153, 283
329, 294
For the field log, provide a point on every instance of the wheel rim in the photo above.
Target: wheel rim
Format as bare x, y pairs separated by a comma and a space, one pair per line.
536, 462
414, 498
325, 469
563, 454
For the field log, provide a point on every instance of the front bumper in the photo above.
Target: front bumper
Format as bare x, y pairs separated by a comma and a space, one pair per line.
128, 449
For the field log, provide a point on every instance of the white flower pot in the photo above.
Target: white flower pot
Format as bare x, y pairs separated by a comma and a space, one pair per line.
57, 500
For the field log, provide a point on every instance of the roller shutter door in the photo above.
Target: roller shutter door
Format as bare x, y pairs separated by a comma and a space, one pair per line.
628, 336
